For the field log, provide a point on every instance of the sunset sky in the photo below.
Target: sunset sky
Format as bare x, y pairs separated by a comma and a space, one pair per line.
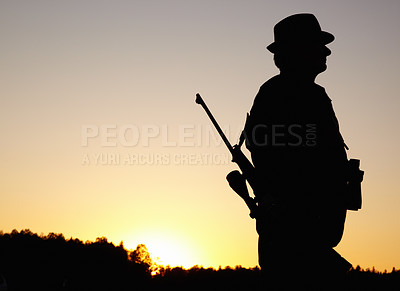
100, 134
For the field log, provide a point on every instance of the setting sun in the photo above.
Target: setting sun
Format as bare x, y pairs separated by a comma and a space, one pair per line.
169, 249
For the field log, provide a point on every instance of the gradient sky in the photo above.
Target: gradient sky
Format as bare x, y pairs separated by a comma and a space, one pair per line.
68, 65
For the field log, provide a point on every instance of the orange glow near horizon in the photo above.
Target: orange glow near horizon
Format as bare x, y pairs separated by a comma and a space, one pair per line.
169, 250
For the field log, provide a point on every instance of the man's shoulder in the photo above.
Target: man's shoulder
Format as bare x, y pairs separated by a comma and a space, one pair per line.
277, 83
272, 84
270, 91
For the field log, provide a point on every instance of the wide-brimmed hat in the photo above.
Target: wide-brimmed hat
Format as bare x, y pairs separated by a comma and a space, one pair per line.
298, 29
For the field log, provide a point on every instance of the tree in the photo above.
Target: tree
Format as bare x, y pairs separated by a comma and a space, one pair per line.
142, 257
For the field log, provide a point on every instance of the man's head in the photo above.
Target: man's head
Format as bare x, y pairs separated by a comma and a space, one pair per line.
299, 45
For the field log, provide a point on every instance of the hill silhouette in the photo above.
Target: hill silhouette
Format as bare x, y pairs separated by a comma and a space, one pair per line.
51, 262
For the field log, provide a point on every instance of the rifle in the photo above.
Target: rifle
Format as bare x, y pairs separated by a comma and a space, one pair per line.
237, 180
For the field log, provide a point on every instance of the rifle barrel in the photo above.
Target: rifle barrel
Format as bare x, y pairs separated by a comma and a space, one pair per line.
200, 101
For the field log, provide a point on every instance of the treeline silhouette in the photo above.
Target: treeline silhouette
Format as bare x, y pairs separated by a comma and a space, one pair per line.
29, 261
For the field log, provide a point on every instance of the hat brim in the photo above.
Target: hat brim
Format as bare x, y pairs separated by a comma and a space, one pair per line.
324, 38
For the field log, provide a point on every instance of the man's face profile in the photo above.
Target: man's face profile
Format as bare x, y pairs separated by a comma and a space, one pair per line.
308, 58
313, 58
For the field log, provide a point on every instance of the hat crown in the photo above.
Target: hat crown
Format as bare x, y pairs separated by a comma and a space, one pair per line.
299, 28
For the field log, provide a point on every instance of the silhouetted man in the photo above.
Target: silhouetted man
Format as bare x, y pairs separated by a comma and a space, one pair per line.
300, 161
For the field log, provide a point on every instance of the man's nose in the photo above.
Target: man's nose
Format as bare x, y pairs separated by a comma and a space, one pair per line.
327, 52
